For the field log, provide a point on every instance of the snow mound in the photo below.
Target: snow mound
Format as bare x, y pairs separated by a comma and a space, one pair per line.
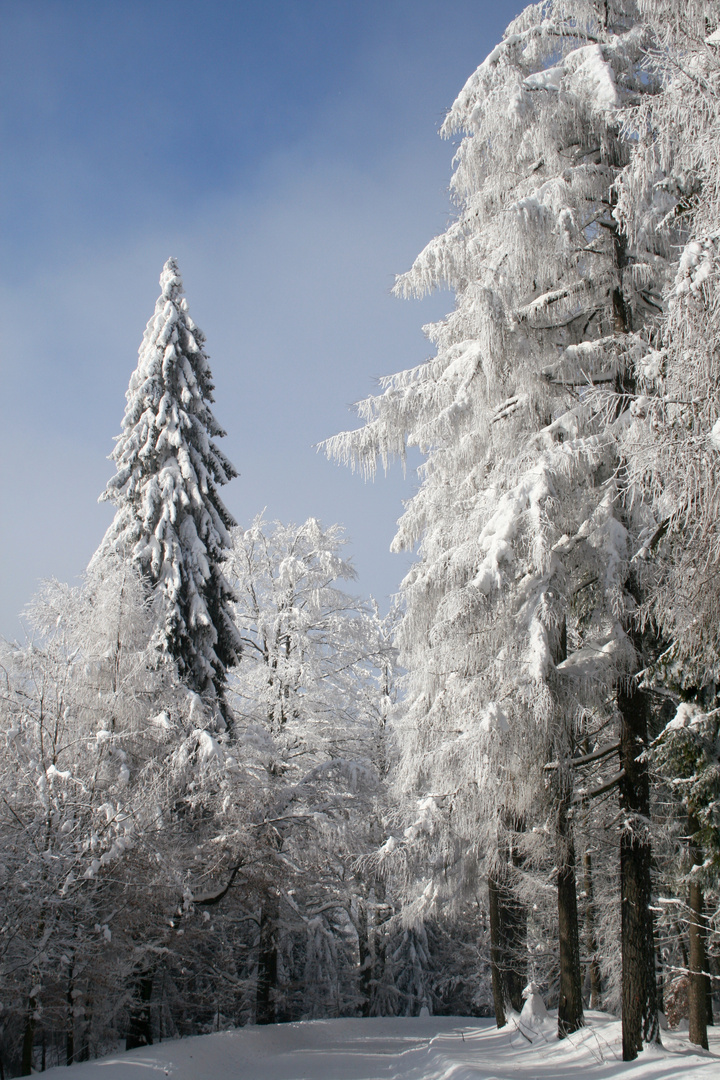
535, 1022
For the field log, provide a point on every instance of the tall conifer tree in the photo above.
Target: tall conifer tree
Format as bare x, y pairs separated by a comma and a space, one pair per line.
522, 593
170, 519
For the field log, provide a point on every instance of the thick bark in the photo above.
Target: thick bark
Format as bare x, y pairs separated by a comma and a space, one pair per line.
570, 1005
590, 935
267, 963
639, 994
139, 1032
697, 988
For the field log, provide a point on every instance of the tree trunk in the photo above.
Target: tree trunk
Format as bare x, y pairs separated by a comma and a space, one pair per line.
508, 933
639, 993
365, 959
139, 1031
708, 984
516, 922
570, 1006
378, 945
267, 963
496, 958
70, 1031
590, 938
26, 1061
709, 1018
697, 988
659, 975
83, 1053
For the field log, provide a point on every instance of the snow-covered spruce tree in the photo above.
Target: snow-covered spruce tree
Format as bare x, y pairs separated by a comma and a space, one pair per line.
309, 700
671, 448
523, 553
668, 447
170, 519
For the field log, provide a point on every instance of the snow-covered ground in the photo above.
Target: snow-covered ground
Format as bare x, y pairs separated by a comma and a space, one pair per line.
428, 1048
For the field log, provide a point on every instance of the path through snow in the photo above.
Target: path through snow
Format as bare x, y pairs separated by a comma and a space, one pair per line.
400, 1048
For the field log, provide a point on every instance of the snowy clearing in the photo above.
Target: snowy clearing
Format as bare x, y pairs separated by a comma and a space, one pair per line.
401, 1048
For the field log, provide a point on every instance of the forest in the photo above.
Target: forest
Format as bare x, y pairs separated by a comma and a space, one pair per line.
233, 792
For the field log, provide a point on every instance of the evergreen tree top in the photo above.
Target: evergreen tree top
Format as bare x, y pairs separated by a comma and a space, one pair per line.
170, 520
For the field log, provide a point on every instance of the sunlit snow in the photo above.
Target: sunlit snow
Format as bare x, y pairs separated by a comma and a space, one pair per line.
403, 1048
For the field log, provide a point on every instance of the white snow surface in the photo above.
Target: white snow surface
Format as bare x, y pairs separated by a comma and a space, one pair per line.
587, 75
715, 435
403, 1048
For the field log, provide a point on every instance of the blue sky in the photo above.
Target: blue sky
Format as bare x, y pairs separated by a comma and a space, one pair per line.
286, 152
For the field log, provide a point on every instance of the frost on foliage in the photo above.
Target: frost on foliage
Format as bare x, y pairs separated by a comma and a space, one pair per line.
170, 518
307, 695
584, 73
311, 699
493, 718
83, 768
688, 715
671, 449
687, 754
518, 523
697, 263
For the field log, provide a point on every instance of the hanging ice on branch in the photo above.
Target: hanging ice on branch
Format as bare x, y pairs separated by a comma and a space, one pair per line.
170, 519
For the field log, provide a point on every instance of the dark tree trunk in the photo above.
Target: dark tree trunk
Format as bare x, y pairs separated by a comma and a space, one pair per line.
508, 933
379, 939
516, 922
710, 1019
590, 937
83, 1053
70, 1032
639, 993
267, 963
496, 957
659, 974
371, 946
570, 1006
697, 988
365, 958
139, 1031
26, 1060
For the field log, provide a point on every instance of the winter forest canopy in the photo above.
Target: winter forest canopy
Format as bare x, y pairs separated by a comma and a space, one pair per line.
233, 792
